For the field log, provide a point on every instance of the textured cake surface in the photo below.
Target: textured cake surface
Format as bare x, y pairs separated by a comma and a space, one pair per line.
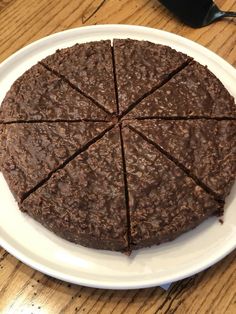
204, 147
89, 67
193, 92
119, 145
171, 202
89, 194
40, 95
32, 151
142, 66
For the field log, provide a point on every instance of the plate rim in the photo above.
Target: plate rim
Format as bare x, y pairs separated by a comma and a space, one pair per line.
123, 28
105, 284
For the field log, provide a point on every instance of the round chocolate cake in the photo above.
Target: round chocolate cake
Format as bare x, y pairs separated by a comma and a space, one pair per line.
119, 145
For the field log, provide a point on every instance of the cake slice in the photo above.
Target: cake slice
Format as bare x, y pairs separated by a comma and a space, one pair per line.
89, 67
206, 148
31, 151
141, 66
84, 202
194, 91
163, 201
40, 95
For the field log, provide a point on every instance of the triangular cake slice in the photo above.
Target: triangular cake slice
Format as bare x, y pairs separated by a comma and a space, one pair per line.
31, 151
194, 91
163, 201
85, 201
141, 66
40, 95
206, 148
89, 67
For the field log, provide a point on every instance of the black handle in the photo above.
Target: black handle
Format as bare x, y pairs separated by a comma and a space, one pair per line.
229, 14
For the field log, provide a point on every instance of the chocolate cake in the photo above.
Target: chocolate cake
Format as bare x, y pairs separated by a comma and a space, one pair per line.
33, 151
163, 200
88, 203
88, 67
142, 66
202, 147
40, 95
193, 92
119, 146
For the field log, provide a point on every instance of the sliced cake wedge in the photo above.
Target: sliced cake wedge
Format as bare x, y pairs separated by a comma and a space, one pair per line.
163, 201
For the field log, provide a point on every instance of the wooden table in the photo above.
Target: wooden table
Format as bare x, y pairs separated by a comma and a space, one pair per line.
24, 290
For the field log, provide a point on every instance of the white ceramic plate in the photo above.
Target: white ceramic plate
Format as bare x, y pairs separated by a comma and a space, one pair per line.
44, 251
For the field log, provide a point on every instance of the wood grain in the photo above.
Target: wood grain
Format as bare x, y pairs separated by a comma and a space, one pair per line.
24, 290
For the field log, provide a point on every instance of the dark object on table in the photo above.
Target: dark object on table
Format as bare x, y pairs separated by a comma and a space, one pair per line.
196, 13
